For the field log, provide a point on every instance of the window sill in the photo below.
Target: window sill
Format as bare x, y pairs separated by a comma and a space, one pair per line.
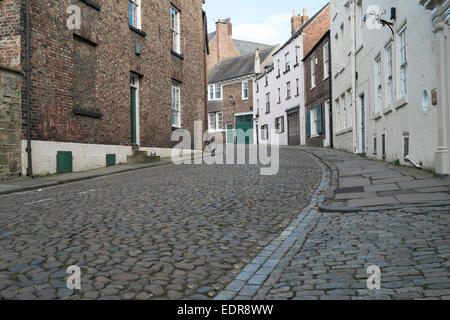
92, 4
344, 131
296, 65
267, 112
326, 77
278, 76
138, 31
312, 88
387, 110
176, 54
401, 103
87, 113
314, 136
176, 127
359, 48
297, 95
288, 98
377, 116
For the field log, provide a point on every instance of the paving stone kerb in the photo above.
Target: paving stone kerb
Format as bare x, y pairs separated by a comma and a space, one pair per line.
168, 232
364, 183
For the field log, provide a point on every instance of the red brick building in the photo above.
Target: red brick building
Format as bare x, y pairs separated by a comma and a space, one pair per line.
232, 68
317, 68
132, 73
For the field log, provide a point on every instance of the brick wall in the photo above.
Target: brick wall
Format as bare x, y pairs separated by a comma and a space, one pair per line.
321, 93
10, 140
10, 33
90, 68
315, 30
221, 46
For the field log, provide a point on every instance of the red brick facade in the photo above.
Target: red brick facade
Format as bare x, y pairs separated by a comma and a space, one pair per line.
314, 31
221, 46
321, 93
89, 69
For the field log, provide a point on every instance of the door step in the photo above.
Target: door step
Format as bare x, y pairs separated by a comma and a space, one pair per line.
140, 156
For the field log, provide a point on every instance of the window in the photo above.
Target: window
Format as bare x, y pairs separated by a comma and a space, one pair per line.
264, 132
313, 72
215, 121
405, 146
379, 86
267, 81
288, 90
212, 121
313, 119
349, 109
257, 86
215, 92
326, 60
375, 145
297, 49
279, 66
279, 95
135, 13
338, 118
336, 52
175, 26
389, 69
383, 145
245, 90
286, 57
403, 62
297, 82
279, 125
176, 105
267, 102
343, 112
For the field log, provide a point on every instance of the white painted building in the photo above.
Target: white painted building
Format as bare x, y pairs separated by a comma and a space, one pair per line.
385, 89
279, 92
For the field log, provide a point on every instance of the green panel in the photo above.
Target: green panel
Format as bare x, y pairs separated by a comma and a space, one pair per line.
229, 134
244, 123
133, 116
64, 162
319, 119
308, 123
110, 160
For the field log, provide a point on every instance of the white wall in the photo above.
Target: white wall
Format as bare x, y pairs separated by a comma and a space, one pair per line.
85, 156
279, 109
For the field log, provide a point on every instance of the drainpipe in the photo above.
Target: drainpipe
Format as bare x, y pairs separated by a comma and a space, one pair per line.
330, 114
205, 83
353, 71
27, 81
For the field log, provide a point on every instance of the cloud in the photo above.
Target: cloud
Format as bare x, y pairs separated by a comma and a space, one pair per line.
275, 29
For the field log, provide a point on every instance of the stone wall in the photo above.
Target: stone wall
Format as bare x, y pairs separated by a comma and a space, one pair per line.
10, 120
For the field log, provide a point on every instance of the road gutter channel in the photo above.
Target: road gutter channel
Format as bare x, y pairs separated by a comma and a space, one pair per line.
257, 277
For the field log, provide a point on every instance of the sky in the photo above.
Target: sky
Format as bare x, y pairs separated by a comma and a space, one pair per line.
265, 21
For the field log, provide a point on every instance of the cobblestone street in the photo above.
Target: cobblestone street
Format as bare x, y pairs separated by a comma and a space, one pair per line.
169, 232
226, 232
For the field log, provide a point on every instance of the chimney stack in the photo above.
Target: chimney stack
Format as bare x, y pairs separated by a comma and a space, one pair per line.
224, 33
297, 21
257, 62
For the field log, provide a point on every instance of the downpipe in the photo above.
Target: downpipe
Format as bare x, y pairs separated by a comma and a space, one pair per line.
28, 81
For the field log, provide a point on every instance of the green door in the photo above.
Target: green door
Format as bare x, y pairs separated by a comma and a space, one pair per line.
230, 133
244, 129
133, 116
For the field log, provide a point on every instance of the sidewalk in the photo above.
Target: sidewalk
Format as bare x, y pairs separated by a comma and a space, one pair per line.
362, 184
27, 183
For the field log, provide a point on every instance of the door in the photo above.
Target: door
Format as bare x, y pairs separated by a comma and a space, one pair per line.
362, 125
134, 108
133, 116
244, 129
294, 128
229, 133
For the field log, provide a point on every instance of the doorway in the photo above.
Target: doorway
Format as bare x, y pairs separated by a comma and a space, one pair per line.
134, 109
362, 126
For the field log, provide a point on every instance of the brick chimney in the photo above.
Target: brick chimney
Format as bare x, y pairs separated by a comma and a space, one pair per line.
297, 21
224, 30
257, 62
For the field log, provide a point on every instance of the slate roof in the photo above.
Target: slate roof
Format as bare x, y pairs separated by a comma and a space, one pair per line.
243, 47
237, 66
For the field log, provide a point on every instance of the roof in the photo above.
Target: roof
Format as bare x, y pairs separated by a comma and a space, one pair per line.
242, 46
237, 66
299, 31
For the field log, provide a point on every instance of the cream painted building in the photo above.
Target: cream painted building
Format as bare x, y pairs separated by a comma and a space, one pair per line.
388, 101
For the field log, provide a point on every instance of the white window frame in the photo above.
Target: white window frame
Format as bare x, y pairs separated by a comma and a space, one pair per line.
136, 13
403, 61
244, 90
216, 91
287, 62
288, 90
313, 120
219, 121
378, 86
389, 75
279, 125
175, 26
297, 83
211, 92
343, 112
349, 109
176, 104
212, 121
297, 50
265, 132
326, 60
279, 95
313, 72
268, 102
338, 116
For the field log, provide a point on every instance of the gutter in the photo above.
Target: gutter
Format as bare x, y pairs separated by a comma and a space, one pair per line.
28, 81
